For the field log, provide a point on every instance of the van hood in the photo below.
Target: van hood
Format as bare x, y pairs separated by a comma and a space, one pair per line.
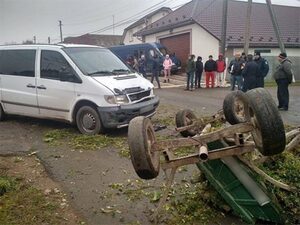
122, 82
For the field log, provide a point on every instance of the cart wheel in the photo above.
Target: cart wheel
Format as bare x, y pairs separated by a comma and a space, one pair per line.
234, 106
141, 137
268, 133
184, 118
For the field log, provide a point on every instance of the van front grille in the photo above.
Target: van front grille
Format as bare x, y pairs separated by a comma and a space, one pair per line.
138, 96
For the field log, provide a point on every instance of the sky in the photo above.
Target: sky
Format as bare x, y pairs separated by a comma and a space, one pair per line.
21, 20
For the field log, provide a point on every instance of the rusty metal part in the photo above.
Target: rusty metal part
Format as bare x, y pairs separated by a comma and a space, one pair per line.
202, 139
201, 122
214, 154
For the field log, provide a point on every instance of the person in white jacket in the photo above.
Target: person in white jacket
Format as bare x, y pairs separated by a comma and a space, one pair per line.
167, 64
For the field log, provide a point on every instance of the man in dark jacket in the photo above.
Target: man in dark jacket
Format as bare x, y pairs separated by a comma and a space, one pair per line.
249, 74
190, 71
155, 70
235, 69
199, 70
263, 67
210, 68
283, 76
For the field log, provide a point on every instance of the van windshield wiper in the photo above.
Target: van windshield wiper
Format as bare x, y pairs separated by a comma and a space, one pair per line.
120, 71
101, 72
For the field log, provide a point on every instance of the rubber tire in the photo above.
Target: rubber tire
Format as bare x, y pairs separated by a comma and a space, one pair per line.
269, 132
181, 121
2, 114
140, 137
93, 113
229, 107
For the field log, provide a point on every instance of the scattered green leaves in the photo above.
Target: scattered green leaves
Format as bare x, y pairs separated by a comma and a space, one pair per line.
86, 142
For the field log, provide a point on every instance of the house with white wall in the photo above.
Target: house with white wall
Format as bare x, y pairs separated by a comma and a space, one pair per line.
195, 28
129, 38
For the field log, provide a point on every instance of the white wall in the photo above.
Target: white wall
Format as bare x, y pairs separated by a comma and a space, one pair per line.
274, 51
130, 39
293, 55
202, 43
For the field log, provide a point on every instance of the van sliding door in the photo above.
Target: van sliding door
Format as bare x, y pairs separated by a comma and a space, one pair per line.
18, 81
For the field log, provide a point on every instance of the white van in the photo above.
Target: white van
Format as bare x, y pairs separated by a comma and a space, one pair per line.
82, 84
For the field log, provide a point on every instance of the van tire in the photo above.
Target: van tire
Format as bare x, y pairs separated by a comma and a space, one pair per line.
268, 133
88, 121
2, 114
141, 137
235, 107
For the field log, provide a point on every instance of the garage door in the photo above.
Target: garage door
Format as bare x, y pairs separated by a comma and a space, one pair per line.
180, 44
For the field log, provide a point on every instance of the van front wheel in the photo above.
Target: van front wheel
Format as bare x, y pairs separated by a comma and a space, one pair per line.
88, 121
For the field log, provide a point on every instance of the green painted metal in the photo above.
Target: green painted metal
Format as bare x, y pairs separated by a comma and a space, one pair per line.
236, 194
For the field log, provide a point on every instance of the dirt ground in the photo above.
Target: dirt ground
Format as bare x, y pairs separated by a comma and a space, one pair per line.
93, 180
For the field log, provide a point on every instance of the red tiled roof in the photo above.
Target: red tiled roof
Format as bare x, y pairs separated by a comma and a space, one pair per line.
208, 14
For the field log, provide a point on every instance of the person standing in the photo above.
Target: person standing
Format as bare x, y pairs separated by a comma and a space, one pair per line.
210, 67
190, 71
199, 70
235, 69
167, 64
263, 66
221, 66
283, 76
155, 70
135, 64
142, 66
249, 74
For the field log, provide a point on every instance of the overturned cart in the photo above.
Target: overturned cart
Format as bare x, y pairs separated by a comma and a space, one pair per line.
255, 123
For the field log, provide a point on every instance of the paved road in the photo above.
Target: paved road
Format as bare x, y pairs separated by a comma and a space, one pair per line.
85, 176
207, 101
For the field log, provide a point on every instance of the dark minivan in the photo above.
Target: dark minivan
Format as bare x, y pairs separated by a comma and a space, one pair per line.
149, 50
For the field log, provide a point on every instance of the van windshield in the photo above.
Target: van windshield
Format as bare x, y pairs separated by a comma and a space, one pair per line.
163, 51
97, 61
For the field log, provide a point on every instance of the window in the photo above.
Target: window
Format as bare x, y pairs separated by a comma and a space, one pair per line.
17, 62
262, 50
54, 65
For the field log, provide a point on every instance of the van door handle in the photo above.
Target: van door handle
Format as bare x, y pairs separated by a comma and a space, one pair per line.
41, 87
30, 86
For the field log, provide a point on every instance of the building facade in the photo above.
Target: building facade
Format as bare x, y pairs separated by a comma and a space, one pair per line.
195, 28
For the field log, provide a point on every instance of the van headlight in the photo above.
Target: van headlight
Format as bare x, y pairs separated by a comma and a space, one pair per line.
116, 99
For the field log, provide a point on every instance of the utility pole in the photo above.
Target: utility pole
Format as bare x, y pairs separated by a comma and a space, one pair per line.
275, 25
224, 26
60, 29
48, 40
113, 24
34, 39
248, 24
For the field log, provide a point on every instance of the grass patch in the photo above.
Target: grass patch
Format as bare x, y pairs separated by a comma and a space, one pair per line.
22, 204
85, 142
285, 167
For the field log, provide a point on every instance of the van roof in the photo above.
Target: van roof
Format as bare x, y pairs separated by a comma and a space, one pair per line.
152, 44
60, 45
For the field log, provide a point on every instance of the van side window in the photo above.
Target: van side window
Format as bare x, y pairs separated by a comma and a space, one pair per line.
54, 65
17, 62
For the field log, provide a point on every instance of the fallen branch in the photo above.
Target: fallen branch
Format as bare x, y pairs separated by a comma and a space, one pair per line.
266, 176
293, 143
292, 133
163, 200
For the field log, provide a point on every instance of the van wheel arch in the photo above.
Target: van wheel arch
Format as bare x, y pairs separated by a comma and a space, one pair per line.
85, 103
